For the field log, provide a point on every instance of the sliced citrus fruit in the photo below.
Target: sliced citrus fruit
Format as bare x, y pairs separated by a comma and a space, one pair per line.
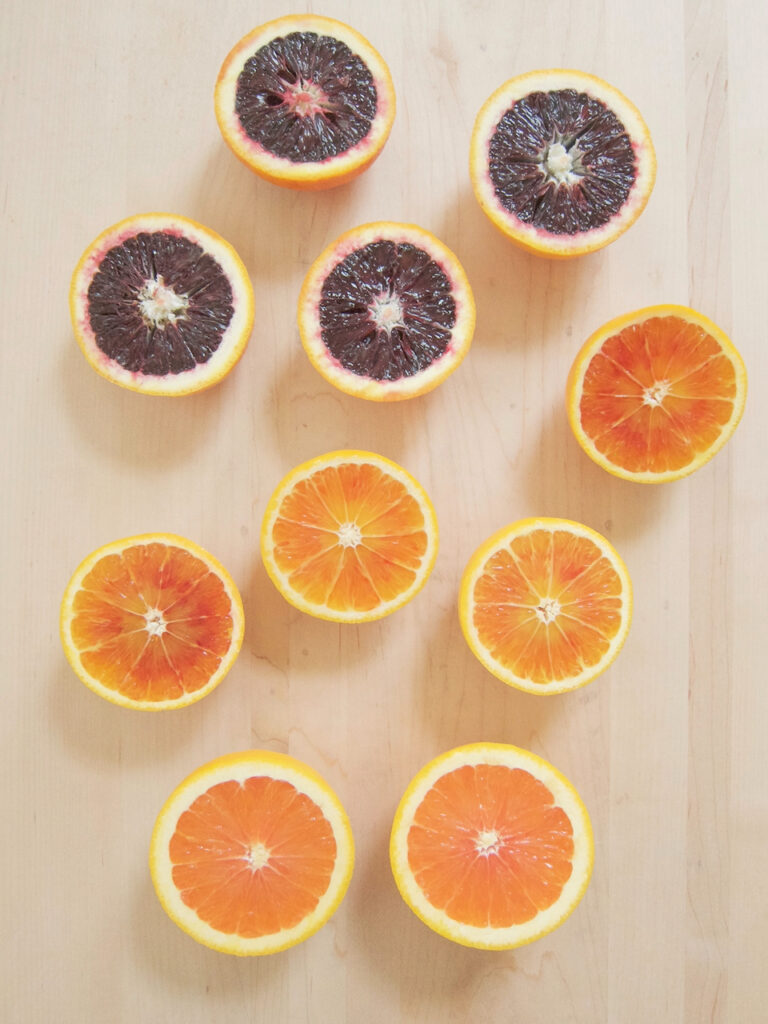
305, 102
161, 304
349, 536
545, 604
655, 394
252, 853
561, 162
491, 846
151, 622
386, 312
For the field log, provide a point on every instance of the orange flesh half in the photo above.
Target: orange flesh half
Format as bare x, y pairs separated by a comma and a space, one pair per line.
657, 394
490, 847
349, 537
152, 622
547, 605
252, 858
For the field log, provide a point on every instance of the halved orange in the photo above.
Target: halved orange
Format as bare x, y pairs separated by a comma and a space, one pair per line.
252, 853
305, 102
491, 846
654, 394
151, 622
561, 162
349, 536
161, 305
386, 312
545, 604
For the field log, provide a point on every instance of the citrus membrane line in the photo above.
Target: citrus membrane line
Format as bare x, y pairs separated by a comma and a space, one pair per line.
384, 512
586, 625
672, 426
113, 604
171, 666
618, 423
569, 642
311, 481
367, 574
388, 558
622, 369
584, 571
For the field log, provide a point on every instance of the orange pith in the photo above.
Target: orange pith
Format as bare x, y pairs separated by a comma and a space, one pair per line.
151, 622
653, 395
252, 858
349, 537
489, 846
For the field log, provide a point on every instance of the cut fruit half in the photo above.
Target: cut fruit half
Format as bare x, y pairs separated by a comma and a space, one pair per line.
491, 846
305, 102
349, 536
151, 622
252, 853
161, 304
561, 162
653, 395
386, 312
545, 604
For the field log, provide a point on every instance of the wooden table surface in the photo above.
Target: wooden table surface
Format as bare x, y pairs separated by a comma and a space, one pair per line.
107, 111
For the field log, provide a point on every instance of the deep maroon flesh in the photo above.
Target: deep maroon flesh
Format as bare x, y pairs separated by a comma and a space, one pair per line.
589, 131
425, 298
271, 76
114, 304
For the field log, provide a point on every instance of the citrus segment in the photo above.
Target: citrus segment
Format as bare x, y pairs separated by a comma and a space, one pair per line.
252, 853
161, 305
349, 536
561, 162
305, 101
491, 846
545, 604
386, 312
151, 622
655, 394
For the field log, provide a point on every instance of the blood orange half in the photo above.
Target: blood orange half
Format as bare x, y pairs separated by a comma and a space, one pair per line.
653, 395
252, 853
491, 846
305, 102
349, 536
561, 162
151, 622
161, 304
386, 312
545, 604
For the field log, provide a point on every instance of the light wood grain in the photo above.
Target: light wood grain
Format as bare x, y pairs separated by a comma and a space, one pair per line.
107, 111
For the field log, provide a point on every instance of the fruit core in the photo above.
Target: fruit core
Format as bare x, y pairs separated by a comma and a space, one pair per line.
387, 310
350, 535
155, 622
257, 856
159, 304
561, 161
487, 841
548, 609
306, 97
656, 393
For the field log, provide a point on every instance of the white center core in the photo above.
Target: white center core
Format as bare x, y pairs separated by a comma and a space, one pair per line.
155, 622
487, 841
306, 98
562, 165
160, 305
548, 609
386, 312
656, 393
257, 856
349, 535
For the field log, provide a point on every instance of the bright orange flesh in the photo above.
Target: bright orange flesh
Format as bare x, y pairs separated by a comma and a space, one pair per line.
489, 846
252, 859
152, 623
548, 605
317, 545
657, 394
